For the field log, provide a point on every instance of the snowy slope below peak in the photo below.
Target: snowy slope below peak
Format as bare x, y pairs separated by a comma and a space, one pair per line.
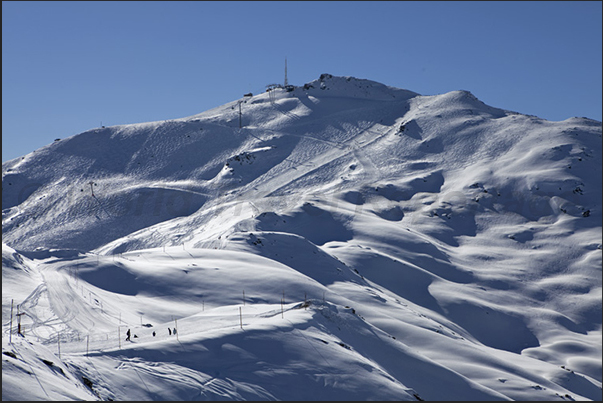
350, 241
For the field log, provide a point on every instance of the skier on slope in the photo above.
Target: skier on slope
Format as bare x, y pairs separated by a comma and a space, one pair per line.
128, 334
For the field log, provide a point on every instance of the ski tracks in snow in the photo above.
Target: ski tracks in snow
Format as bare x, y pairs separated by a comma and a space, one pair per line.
65, 311
266, 187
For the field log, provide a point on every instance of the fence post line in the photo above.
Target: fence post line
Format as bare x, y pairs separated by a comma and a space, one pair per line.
241, 317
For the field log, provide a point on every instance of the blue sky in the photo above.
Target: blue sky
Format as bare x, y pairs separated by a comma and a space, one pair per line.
68, 66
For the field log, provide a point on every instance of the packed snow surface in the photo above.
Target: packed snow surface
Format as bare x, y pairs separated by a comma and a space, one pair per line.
342, 240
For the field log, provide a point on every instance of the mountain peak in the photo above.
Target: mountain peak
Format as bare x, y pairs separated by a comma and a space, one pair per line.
356, 87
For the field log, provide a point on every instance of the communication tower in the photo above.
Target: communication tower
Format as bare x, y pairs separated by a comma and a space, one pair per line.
286, 82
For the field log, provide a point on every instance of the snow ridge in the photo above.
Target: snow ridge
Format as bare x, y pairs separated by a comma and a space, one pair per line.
343, 239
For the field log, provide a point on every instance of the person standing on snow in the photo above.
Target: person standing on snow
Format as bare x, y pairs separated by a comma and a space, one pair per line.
128, 334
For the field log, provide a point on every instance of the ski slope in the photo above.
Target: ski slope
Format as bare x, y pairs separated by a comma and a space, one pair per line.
350, 241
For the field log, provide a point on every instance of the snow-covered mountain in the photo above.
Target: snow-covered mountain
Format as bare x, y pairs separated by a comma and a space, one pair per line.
339, 240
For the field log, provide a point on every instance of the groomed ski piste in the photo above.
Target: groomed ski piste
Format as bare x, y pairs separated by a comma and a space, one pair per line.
341, 240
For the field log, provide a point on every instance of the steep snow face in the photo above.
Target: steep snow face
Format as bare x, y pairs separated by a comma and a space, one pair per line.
377, 242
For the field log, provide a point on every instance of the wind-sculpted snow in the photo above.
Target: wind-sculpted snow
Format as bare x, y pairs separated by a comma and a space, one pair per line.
344, 240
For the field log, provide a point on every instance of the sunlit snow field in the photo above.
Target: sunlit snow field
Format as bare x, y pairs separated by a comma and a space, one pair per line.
350, 241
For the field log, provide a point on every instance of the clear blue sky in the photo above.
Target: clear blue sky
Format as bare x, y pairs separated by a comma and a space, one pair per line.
68, 66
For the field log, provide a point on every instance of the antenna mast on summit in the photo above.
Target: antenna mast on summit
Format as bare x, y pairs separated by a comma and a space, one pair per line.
286, 82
